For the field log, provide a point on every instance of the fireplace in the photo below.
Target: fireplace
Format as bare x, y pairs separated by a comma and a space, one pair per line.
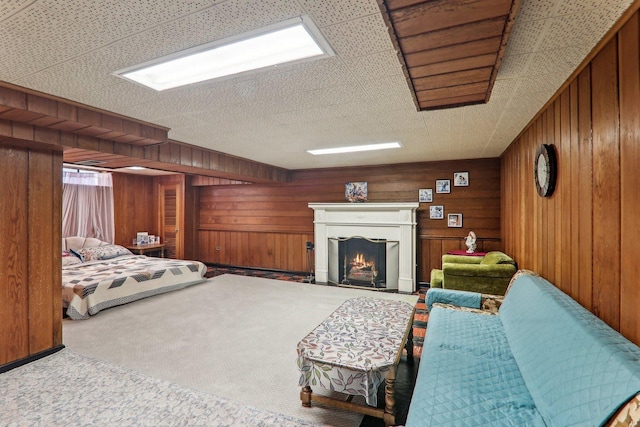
361, 262
391, 225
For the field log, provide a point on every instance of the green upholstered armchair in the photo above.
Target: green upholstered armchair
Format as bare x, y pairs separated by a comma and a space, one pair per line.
489, 274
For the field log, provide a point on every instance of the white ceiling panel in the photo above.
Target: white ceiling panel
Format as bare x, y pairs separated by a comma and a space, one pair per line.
70, 48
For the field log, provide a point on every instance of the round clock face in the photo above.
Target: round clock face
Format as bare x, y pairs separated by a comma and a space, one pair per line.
545, 170
542, 170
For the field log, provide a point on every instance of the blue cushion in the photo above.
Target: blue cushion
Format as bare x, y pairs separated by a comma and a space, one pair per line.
455, 297
468, 376
577, 368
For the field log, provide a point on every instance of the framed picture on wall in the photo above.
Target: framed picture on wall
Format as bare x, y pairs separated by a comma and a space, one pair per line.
355, 191
443, 186
436, 212
461, 179
454, 220
425, 195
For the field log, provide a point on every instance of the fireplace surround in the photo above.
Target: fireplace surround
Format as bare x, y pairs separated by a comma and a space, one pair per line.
395, 222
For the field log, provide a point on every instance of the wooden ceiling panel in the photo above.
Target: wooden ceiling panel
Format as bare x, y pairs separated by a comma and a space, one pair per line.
450, 49
468, 63
452, 91
461, 51
435, 15
453, 79
453, 36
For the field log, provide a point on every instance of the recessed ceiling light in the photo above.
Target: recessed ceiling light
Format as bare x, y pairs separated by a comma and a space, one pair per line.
136, 168
292, 40
354, 148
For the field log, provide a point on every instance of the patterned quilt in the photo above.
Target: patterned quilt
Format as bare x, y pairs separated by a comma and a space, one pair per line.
93, 286
355, 347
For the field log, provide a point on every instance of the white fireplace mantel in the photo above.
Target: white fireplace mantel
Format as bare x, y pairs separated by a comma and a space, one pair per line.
390, 221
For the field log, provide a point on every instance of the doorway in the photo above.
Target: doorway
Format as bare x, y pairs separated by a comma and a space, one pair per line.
170, 219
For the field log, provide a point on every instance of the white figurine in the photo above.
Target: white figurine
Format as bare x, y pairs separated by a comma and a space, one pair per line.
471, 242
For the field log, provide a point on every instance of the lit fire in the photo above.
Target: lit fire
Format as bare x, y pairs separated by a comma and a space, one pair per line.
359, 262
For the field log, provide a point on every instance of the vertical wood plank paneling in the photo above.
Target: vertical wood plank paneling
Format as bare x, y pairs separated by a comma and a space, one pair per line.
575, 191
282, 209
595, 124
30, 226
629, 59
14, 310
56, 221
606, 186
549, 206
585, 190
40, 240
133, 206
564, 213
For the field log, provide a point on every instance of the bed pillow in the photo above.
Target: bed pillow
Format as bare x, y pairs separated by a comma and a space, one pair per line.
77, 254
69, 259
103, 252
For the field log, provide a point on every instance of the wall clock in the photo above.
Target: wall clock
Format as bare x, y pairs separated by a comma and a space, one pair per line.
545, 170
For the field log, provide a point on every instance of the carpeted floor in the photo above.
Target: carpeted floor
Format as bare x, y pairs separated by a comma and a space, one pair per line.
231, 336
420, 321
70, 389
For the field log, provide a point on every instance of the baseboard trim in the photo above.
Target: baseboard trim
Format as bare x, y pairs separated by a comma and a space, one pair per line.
272, 270
29, 359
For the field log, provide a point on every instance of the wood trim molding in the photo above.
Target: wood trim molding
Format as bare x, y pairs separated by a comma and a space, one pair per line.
29, 118
37, 110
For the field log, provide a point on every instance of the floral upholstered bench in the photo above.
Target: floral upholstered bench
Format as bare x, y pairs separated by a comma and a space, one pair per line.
353, 351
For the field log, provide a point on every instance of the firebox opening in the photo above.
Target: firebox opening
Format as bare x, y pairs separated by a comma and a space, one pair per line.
362, 261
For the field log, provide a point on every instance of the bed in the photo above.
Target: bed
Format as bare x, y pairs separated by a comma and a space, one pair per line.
97, 275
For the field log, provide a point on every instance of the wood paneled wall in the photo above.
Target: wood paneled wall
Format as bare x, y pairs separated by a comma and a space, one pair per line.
30, 249
134, 208
267, 226
584, 237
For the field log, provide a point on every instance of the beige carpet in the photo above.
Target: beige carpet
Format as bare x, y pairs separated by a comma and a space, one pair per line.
232, 336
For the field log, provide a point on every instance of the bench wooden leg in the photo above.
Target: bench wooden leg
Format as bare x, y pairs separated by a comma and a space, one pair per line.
305, 396
390, 398
409, 345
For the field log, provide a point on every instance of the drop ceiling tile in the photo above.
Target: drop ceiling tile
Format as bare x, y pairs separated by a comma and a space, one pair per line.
166, 10
371, 67
329, 12
536, 9
9, 8
359, 37
514, 66
502, 90
581, 28
561, 62
199, 28
525, 37
117, 18
250, 15
581, 6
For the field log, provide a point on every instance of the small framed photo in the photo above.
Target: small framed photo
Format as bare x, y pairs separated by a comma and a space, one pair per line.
355, 191
454, 220
436, 212
443, 186
142, 238
425, 195
461, 179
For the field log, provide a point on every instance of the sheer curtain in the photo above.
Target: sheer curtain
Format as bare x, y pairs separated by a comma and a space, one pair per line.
87, 205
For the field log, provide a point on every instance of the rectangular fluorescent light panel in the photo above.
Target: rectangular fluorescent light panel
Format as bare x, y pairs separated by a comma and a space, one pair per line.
354, 148
293, 40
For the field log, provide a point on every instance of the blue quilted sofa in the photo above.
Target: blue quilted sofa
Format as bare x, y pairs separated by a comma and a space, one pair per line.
540, 360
